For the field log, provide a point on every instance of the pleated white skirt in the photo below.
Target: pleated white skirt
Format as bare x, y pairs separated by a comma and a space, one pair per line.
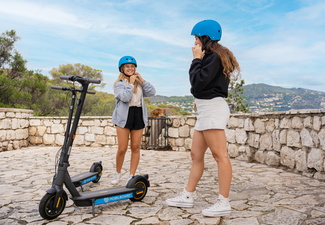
212, 113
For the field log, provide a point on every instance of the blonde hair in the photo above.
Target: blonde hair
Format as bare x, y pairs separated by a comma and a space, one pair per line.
136, 82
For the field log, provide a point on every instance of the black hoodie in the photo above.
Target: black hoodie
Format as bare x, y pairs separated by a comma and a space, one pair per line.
207, 78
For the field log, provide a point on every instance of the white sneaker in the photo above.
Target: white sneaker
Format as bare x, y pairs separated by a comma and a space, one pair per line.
116, 178
130, 177
184, 200
220, 208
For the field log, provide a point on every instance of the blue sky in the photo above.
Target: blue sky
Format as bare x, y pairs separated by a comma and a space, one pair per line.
277, 42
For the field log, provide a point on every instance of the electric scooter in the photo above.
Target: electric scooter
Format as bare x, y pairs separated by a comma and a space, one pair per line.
95, 171
53, 202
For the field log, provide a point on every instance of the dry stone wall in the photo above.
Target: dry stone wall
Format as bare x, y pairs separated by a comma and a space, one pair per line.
14, 124
92, 131
292, 139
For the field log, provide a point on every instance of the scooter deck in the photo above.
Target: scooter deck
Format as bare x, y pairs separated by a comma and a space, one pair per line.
103, 196
83, 178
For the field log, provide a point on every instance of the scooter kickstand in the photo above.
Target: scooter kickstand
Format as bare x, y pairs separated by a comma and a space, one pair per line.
93, 206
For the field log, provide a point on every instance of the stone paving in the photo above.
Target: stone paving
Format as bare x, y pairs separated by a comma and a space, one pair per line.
259, 194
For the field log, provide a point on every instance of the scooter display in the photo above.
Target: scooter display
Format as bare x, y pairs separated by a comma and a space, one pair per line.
54, 201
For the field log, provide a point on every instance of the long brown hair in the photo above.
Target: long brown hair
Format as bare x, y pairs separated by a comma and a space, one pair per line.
229, 62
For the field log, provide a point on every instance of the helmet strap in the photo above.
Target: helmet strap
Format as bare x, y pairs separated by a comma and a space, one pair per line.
121, 70
126, 74
205, 46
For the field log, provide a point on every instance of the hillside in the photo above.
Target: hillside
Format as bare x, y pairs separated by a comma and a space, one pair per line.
262, 98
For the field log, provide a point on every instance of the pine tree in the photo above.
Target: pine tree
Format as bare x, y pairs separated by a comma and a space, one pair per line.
235, 96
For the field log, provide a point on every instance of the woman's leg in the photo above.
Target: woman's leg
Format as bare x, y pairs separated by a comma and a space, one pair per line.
199, 147
122, 140
136, 136
216, 141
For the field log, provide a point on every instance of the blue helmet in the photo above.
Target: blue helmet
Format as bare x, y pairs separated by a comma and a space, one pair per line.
126, 59
210, 28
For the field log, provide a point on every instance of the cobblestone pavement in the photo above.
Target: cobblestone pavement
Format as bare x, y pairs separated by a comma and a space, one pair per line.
259, 194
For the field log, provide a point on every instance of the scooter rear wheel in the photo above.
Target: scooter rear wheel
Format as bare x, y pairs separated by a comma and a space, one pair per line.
97, 168
47, 209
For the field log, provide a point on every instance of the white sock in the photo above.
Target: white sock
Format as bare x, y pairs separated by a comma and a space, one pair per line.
187, 192
221, 197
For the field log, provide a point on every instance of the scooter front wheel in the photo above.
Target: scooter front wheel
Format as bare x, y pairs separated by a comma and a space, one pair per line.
141, 190
47, 209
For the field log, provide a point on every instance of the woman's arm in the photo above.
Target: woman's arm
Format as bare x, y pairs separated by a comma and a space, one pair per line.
202, 72
148, 89
123, 91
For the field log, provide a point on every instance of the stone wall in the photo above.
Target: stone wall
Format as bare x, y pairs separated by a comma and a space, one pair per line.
92, 131
14, 124
292, 139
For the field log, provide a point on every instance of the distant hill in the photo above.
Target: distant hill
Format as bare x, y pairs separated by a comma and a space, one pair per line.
263, 98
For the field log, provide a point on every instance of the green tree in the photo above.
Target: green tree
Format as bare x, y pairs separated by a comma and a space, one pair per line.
11, 62
99, 104
23, 88
14, 76
20, 87
235, 96
172, 110
76, 70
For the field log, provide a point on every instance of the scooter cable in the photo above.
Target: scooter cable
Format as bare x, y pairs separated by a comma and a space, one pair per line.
57, 159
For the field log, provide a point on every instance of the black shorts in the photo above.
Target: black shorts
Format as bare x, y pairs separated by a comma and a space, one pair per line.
135, 119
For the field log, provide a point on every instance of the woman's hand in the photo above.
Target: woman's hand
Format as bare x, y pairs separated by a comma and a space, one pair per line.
138, 76
132, 79
197, 52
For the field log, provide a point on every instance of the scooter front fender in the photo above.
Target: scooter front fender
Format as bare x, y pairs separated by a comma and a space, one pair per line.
51, 190
62, 193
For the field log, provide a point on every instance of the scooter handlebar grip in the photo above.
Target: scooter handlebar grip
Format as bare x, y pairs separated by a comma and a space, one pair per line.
94, 81
81, 79
65, 77
59, 88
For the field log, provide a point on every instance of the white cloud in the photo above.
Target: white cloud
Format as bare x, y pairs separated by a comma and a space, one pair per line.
311, 15
275, 41
40, 13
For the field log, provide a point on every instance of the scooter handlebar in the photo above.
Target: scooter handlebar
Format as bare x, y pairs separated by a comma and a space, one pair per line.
60, 88
70, 89
81, 79
94, 81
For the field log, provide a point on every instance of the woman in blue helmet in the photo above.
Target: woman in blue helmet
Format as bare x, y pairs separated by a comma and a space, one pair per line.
211, 70
130, 114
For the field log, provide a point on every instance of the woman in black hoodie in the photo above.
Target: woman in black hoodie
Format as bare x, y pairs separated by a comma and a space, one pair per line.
210, 73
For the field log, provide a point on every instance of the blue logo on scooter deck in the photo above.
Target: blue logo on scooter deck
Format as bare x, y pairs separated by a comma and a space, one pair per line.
113, 198
85, 181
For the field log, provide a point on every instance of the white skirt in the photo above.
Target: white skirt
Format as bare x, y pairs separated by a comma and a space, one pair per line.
212, 113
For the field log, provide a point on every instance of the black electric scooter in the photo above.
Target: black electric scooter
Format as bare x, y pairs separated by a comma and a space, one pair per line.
95, 171
93, 175
53, 202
